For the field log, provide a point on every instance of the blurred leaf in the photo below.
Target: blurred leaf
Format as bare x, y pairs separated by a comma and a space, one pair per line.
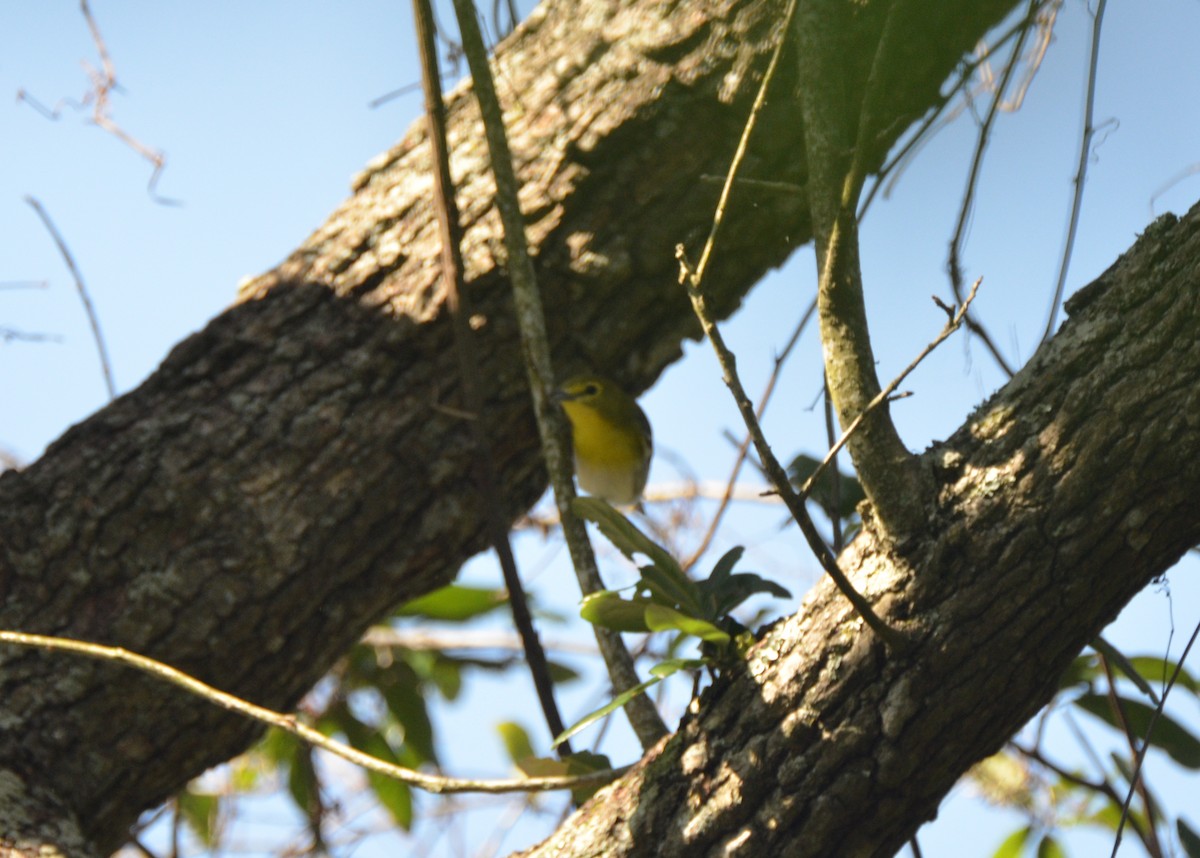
1014, 844
302, 781
1169, 735
407, 705
1118, 660
1050, 848
1159, 670
394, 795
560, 673
1188, 838
850, 491
454, 603
516, 741
1081, 671
584, 763
660, 618
201, 813
542, 767
671, 666
609, 610
623, 534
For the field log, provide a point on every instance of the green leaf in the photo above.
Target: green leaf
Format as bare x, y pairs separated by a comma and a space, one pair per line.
1050, 848
1118, 659
609, 610
583, 763
729, 592
660, 618
724, 566
1014, 844
1159, 670
1188, 838
612, 706
1169, 735
201, 812
516, 741
406, 704
395, 796
454, 603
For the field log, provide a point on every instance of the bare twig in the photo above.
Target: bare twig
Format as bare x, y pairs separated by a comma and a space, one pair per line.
103, 83
643, 717
744, 446
1153, 847
1085, 145
468, 369
774, 470
953, 262
97, 335
957, 317
1141, 754
288, 723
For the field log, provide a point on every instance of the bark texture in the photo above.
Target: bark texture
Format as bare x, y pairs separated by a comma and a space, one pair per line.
289, 473
1059, 499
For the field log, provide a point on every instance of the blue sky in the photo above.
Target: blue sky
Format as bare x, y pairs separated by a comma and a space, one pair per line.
262, 111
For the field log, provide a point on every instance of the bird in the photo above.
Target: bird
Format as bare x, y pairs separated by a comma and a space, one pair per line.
611, 436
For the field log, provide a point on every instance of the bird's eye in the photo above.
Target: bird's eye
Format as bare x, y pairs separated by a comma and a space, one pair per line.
591, 390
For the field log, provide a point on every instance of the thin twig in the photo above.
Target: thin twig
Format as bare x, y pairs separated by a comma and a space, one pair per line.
97, 335
693, 278
744, 446
774, 470
1085, 145
468, 369
643, 717
439, 784
1153, 847
957, 317
1100, 787
925, 131
1141, 754
953, 263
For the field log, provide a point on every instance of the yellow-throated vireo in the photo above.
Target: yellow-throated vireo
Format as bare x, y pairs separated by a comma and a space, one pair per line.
612, 438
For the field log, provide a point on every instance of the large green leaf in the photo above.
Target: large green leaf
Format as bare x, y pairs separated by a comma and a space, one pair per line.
454, 603
1169, 734
609, 610
660, 618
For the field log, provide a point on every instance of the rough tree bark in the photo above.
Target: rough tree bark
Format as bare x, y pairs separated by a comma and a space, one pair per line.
288, 472
1058, 500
